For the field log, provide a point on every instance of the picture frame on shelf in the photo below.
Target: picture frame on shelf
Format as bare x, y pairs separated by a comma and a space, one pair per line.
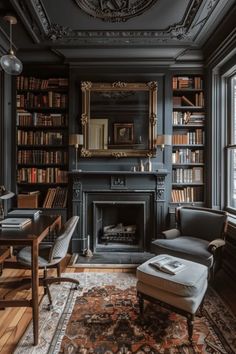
123, 133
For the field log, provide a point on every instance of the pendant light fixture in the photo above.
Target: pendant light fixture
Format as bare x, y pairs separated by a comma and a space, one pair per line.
9, 62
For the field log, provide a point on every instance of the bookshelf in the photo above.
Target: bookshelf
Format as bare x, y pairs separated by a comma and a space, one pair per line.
188, 141
42, 140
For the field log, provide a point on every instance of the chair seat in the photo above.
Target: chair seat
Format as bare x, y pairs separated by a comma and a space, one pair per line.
24, 256
191, 248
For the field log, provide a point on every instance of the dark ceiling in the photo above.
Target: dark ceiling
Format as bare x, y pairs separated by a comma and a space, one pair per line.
167, 31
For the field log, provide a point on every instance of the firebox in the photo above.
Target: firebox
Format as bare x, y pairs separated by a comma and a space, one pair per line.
119, 221
119, 225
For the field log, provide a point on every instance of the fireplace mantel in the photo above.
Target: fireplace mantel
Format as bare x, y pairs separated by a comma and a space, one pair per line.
88, 186
138, 173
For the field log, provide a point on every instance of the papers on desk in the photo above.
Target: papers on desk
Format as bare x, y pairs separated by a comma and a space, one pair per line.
15, 223
29, 213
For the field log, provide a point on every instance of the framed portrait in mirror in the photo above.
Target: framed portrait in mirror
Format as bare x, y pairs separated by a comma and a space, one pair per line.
123, 133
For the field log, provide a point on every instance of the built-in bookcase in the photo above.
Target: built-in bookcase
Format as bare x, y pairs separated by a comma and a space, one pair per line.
188, 157
42, 139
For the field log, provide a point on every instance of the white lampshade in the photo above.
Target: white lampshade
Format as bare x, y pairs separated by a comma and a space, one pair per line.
76, 139
162, 140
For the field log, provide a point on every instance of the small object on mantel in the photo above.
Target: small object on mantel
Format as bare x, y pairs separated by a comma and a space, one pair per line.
141, 167
87, 251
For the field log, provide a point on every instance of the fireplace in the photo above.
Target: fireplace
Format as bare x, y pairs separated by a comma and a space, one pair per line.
119, 211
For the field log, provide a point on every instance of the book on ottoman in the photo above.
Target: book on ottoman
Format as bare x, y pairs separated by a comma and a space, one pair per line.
168, 265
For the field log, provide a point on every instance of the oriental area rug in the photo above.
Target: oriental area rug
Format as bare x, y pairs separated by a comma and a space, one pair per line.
102, 317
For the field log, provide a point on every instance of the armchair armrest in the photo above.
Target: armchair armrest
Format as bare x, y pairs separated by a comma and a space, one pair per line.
172, 233
213, 245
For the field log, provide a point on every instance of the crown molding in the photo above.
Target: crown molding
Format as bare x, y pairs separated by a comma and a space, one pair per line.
37, 22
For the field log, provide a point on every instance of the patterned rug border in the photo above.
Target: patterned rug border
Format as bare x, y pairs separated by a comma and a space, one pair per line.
62, 324
57, 320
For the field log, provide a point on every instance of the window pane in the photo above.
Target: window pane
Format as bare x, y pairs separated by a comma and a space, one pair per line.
234, 110
232, 178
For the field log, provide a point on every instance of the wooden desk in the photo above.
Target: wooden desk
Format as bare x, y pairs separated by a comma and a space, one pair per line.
5, 252
31, 235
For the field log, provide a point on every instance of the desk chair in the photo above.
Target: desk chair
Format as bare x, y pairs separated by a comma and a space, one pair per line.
50, 256
199, 237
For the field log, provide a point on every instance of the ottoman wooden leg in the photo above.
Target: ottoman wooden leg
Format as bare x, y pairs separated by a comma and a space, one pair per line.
141, 303
190, 321
201, 307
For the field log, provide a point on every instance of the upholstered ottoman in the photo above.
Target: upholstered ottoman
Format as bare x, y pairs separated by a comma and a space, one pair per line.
182, 292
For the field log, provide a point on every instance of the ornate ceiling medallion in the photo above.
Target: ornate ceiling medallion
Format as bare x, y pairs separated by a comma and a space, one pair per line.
115, 10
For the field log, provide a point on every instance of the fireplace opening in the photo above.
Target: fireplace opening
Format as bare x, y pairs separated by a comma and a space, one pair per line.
119, 225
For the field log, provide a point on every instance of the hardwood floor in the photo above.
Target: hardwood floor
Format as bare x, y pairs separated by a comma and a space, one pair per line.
14, 321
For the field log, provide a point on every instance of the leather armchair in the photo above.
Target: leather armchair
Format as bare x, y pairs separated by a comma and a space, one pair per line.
199, 237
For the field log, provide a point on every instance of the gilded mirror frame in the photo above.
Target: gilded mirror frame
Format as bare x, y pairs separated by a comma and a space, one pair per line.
87, 87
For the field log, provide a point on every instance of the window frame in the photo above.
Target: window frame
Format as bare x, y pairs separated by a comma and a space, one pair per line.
230, 143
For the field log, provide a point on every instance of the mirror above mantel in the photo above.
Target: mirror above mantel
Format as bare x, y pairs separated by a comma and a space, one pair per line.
119, 119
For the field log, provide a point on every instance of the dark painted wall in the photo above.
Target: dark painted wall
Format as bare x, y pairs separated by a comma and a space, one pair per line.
6, 133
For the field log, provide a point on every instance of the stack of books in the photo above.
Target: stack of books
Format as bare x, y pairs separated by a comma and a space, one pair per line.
29, 213
16, 223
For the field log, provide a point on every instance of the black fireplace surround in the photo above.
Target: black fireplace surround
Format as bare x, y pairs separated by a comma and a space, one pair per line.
119, 211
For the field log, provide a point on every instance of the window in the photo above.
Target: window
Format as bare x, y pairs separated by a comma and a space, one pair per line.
231, 146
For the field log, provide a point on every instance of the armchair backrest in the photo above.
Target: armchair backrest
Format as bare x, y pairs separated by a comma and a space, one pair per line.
62, 242
204, 223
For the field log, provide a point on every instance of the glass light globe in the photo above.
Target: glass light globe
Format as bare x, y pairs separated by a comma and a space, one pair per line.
11, 64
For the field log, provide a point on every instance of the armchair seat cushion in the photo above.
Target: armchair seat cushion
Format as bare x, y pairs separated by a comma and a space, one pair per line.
191, 248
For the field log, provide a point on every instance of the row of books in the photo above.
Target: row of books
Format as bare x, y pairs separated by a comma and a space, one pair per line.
196, 101
49, 100
33, 83
187, 82
187, 194
187, 175
29, 137
37, 119
188, 118
55, 198
189, 138
39, 175
187, 156
42, 157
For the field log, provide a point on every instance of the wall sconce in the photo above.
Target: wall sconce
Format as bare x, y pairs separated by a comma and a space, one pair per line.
4, 194
76, 140
162, 140
9, 62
